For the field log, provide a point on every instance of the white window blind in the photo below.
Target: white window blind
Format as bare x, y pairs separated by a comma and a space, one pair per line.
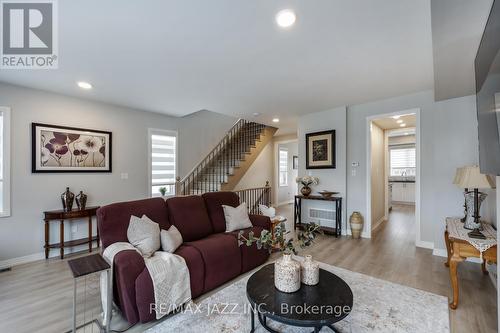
283, 167
163, 157
403, 161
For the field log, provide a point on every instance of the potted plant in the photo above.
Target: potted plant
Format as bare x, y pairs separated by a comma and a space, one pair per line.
306, 182
287, 271
163, 191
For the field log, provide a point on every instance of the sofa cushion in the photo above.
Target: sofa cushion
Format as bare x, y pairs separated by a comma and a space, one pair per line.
113, 220
144, 235
236, 217
214, 202
190, 216
170, 239
251, 256
221, 257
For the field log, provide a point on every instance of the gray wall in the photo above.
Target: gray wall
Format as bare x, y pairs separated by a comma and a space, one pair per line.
329, 179
22, 233
448, 140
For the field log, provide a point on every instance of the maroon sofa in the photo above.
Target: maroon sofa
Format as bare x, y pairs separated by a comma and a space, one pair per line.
213, 256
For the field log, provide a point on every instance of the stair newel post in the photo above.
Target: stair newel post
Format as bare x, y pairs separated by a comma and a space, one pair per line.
177, 186
267, 196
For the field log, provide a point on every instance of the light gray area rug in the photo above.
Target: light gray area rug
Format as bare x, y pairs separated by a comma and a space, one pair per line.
379, 306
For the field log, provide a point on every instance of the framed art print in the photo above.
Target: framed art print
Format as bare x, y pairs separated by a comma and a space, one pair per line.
69, 149
320, 150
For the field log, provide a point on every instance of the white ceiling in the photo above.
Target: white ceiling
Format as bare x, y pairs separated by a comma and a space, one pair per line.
457, 27
389, 123
228, 56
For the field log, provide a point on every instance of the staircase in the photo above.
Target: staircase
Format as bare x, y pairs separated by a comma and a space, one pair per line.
225, 165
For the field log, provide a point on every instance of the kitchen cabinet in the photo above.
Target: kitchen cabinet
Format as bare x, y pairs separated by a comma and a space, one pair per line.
403, 192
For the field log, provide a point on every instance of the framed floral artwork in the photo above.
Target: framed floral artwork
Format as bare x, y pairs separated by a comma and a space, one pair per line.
69, 149
320, 150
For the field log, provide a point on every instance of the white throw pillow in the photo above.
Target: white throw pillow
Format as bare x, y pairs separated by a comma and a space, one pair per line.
236, 218
144, 235
267, 211
170, 239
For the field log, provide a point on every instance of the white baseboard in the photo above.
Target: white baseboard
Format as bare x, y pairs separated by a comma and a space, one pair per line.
425, 245
40, 256
364, 234
21, 260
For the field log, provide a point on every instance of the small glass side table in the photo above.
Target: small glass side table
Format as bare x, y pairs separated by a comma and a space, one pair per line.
81, 267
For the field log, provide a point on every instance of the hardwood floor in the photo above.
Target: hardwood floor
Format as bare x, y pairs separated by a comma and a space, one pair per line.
37, 297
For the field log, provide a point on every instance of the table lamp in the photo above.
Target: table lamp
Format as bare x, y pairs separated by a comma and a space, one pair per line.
470, 177
456, 181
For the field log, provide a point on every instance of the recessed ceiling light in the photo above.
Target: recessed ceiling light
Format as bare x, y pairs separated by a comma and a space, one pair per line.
276, 120
402, 125
84, 85
395, 117
256, 114
285, 18
400, 121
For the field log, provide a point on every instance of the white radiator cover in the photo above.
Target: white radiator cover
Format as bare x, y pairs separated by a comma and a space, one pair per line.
323, 217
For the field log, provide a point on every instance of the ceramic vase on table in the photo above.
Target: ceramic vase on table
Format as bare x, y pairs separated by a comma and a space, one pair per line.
356, 222
81, 200
67, 199
287, 274
309, 271
305, 190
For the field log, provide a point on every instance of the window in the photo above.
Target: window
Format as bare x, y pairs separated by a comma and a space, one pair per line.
163, 161
283, 165
403, 161
4, 161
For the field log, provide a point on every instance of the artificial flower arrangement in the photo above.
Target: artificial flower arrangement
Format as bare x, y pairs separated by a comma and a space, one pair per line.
307, 180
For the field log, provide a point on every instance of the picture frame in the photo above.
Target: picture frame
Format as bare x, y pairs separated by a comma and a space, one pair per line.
295, 162
59, 149
320, 150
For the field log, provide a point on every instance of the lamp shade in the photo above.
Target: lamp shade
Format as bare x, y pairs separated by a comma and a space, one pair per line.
471, 177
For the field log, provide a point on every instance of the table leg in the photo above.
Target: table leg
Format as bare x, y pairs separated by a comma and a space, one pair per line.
90, 233
454, 260
47, 232
252, 319
61, 237
483, 267
448, 248
109, 303
294, 213
74, 305
97, 229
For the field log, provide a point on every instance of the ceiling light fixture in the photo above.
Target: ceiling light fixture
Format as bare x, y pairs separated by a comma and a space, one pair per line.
400, 121
256, 114
285, 18
84, 85
395, 117
402, 125
276, 120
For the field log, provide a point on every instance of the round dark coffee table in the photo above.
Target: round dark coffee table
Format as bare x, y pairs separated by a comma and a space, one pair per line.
311, 306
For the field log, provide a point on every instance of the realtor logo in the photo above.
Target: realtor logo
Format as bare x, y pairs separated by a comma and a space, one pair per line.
29, 34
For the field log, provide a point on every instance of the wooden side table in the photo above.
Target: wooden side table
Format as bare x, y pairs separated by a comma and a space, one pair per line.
458, 250
62, 215
82, 267
337, 203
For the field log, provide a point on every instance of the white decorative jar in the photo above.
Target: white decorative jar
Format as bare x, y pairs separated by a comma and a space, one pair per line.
287, 274
310, 271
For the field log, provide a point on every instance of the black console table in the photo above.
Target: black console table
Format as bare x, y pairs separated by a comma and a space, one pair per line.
337, 201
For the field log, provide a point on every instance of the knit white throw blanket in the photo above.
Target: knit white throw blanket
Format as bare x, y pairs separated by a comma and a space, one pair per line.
168, 272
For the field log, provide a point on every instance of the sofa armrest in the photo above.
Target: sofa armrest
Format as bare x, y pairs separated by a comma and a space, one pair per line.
260, 221
127, 266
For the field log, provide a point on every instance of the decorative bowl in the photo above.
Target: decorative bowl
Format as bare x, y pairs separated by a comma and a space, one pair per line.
327, 194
